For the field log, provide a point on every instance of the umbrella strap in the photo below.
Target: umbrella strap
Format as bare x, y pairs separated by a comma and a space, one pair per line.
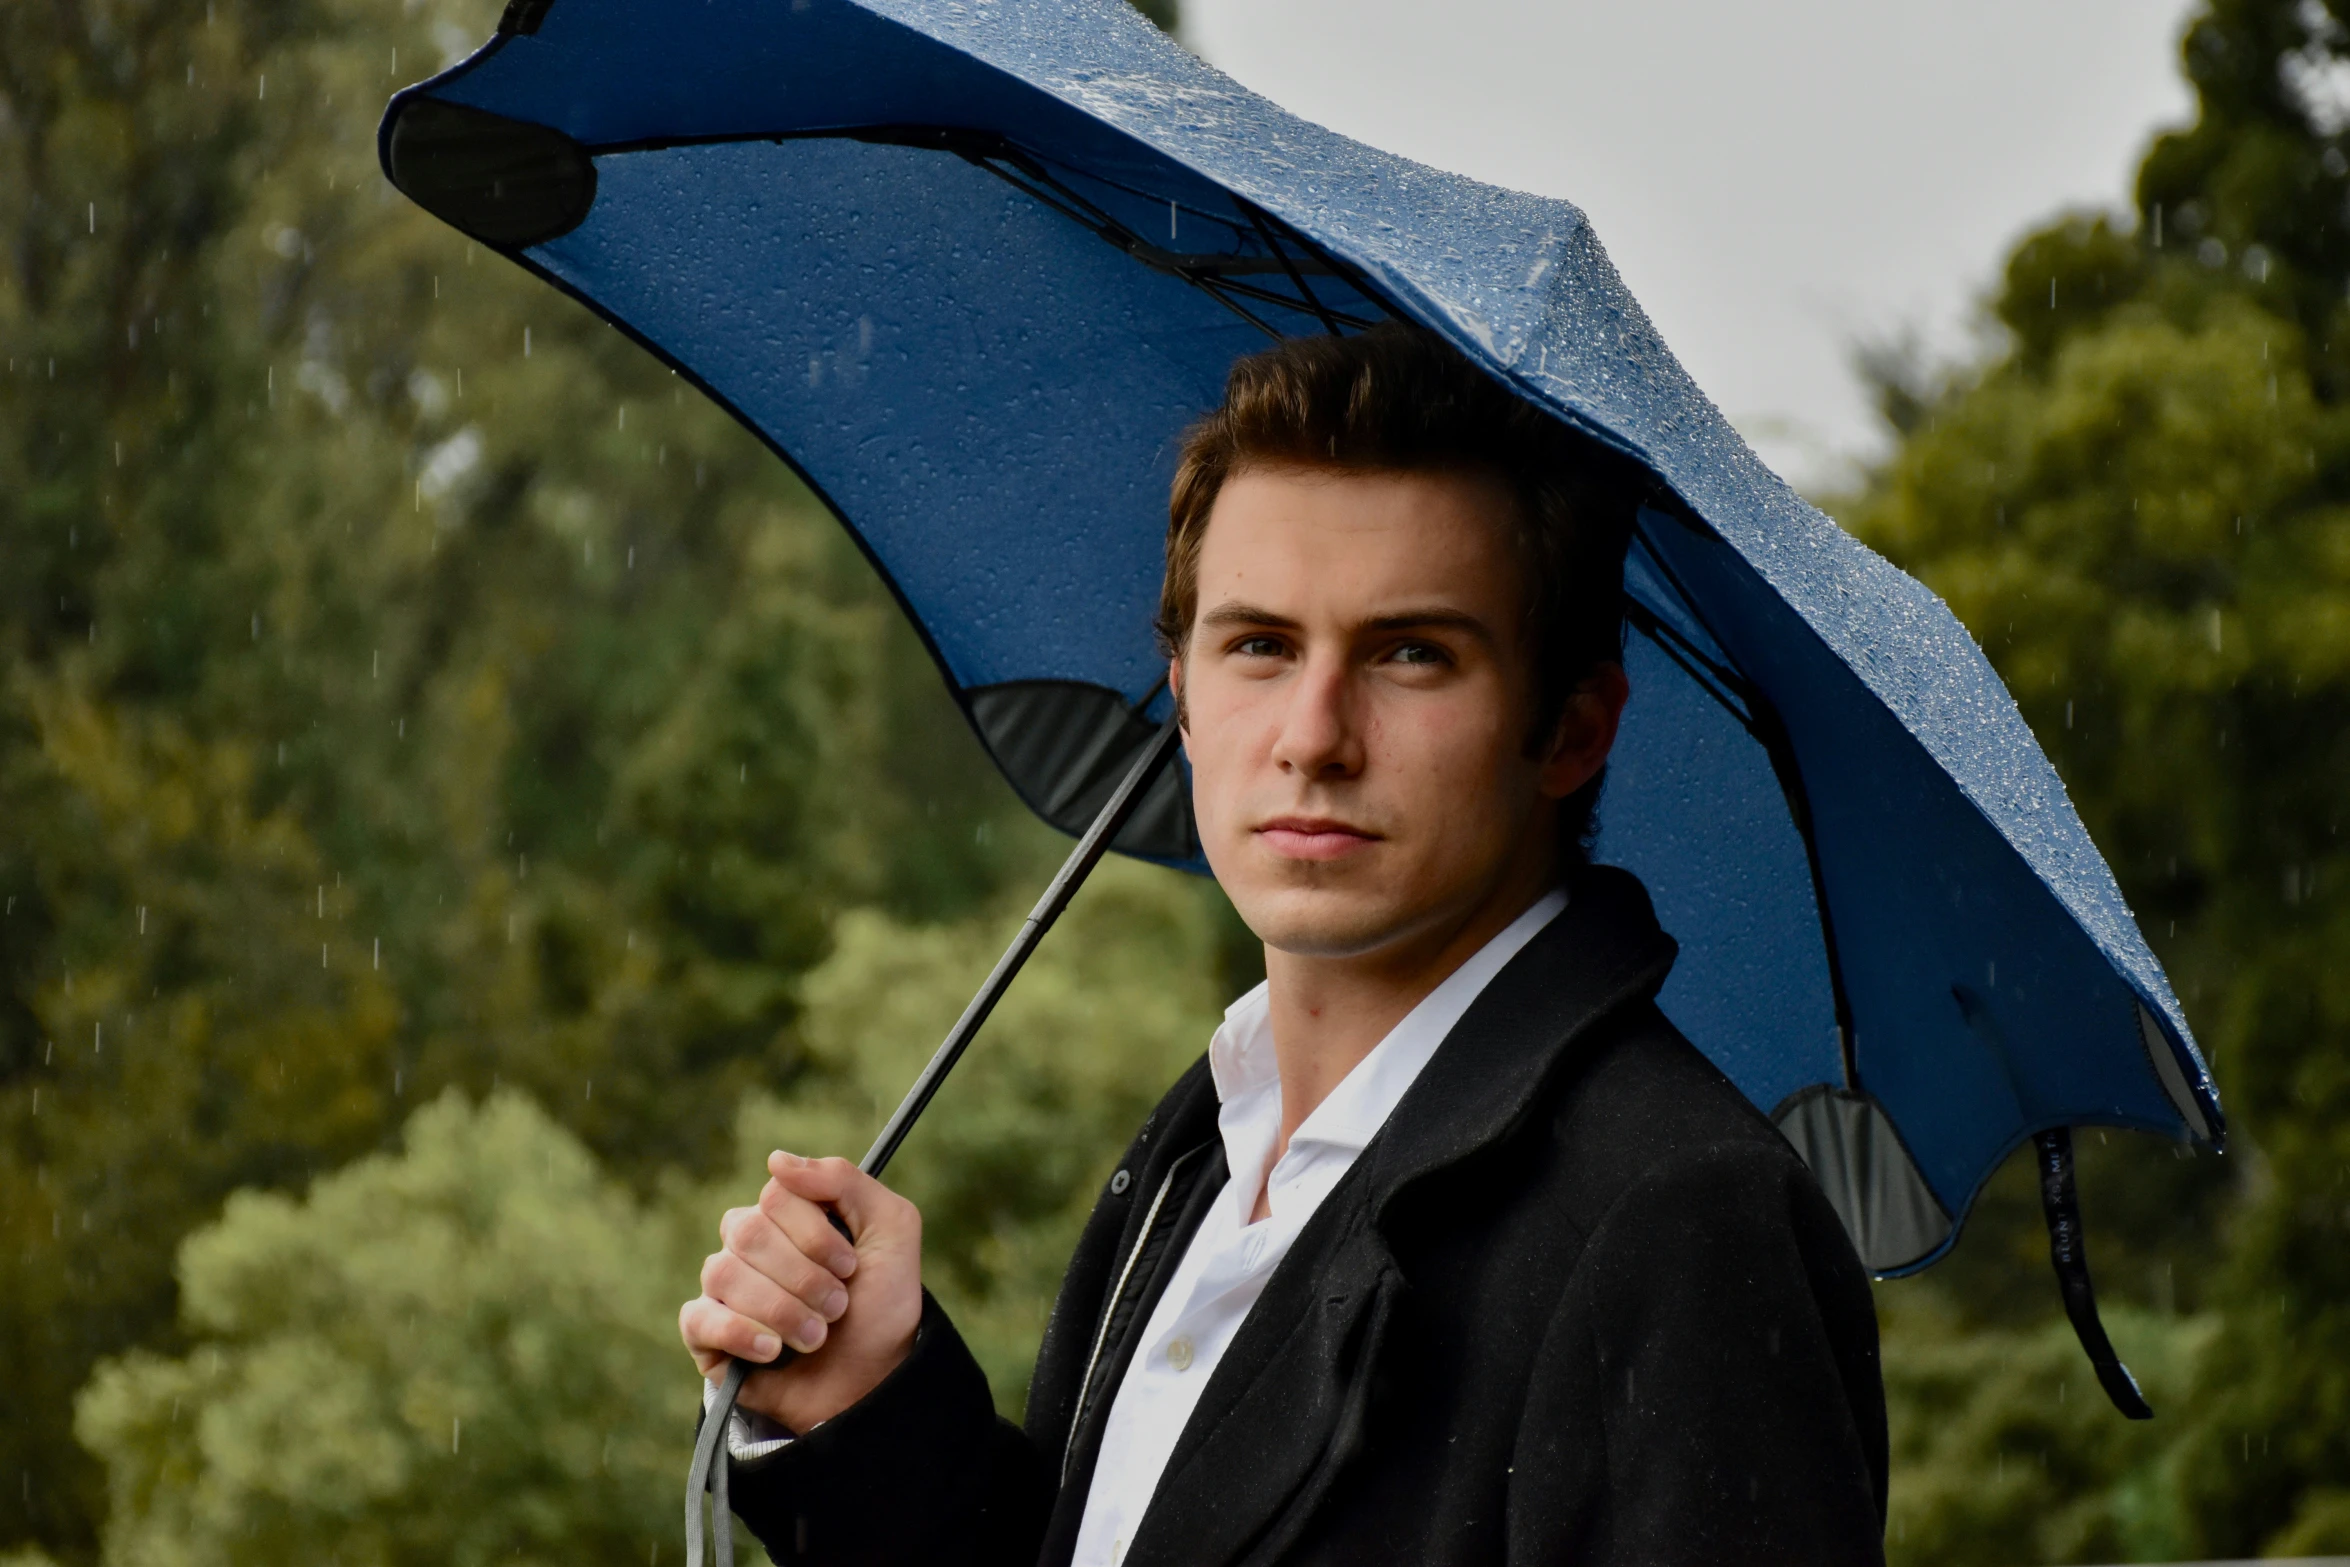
710, 1466
2060, 1201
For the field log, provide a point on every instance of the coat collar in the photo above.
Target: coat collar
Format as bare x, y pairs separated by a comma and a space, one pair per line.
1604, 951
1285, 1410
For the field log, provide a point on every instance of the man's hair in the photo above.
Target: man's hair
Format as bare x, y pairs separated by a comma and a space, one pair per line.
1399, 399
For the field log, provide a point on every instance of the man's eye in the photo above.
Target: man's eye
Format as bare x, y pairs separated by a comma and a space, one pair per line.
1423, 653
1258, 647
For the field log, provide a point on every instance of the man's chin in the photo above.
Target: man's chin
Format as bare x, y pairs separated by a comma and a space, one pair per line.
1323, 923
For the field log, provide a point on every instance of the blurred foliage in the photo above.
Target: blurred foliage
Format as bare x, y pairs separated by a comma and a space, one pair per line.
461, 1353
1164, 14
404, 684
466, 1352
2142, 510
2005, 1449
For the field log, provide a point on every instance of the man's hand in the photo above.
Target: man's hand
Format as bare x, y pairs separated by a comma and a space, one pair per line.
786, 1276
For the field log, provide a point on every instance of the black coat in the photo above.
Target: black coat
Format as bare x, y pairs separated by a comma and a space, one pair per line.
1576, 1302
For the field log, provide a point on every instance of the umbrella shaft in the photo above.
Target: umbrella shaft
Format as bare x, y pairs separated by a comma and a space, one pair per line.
708, 1472
1114, 815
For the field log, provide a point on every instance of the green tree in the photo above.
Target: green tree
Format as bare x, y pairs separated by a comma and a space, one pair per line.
407, 683
2142, 509
2006, 1450
404, 682
462, 1353
2256, 187
466, 1351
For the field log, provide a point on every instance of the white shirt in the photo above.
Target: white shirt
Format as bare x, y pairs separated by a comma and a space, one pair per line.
1230, 1260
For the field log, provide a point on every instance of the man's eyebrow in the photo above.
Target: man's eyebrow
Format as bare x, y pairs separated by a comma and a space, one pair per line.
1234, 613
1430, 619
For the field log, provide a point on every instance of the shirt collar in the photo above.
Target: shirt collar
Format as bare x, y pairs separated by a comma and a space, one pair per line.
1242, 1063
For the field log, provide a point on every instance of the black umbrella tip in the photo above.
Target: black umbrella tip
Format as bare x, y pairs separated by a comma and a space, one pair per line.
508, 183
523, 17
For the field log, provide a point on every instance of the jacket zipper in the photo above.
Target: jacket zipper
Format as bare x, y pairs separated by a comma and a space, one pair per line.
1101, 1334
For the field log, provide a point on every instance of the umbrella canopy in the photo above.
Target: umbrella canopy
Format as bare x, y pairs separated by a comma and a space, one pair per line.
971, 268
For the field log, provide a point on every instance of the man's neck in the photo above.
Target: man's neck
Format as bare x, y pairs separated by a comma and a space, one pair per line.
1327, 1014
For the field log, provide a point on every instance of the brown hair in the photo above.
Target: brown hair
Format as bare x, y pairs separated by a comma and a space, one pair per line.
1399, 398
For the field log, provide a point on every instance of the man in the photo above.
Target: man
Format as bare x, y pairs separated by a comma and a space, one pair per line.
1451, 1250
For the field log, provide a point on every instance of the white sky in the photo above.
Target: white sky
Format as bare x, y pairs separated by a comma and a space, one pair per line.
1774, 180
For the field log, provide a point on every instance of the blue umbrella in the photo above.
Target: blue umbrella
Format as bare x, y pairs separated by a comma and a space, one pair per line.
970, 268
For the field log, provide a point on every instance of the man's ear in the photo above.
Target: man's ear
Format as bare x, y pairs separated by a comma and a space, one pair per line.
1585, 732
1175, 685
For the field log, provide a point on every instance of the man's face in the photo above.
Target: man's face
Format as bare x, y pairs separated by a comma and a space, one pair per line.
1359, 695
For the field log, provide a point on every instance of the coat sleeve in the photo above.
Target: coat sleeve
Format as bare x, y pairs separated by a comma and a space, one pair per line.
919, 1470
1709, 1389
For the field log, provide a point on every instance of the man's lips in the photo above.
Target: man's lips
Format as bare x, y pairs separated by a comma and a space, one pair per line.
1313, 837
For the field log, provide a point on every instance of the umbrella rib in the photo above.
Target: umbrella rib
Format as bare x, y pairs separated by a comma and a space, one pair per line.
1345, 271
1104, 227
1126, 238
1046, 191
981, 149
1688, 600
1212, 275
1207, 274
1723, 685
1267, 296
1257, 217
1068, 202
1221, 291
1770, 731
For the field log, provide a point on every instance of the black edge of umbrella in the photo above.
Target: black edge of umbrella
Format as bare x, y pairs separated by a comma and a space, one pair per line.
1064, 744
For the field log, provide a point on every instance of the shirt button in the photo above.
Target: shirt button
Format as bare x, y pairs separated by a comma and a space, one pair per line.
1179, 1354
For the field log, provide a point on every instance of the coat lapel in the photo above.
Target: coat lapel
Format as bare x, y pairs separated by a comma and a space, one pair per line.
1604, 952
1287, 1406
1284, 1410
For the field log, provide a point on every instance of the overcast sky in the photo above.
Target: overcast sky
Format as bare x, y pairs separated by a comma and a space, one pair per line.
1776, 179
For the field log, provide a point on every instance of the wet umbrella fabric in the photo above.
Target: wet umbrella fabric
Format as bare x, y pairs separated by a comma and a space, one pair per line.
970, 268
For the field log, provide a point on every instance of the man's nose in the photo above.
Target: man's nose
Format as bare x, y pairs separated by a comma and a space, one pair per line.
1320, 738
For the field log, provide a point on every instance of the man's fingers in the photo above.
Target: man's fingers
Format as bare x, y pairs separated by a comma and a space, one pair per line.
864, 1202
745, 1290
807, 1225
819, 1180
781, 1283
754, 1237
717, 1335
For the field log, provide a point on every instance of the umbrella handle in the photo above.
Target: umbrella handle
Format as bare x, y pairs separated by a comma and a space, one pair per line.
2060, 1203
708, 1473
